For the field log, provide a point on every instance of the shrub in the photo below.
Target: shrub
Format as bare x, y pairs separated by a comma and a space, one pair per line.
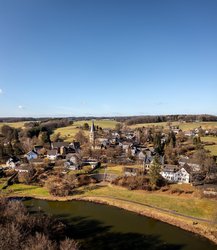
20, 230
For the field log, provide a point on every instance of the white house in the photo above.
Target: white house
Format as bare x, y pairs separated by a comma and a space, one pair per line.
174, 174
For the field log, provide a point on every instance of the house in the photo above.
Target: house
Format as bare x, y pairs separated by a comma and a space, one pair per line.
91, 162
75, 145
73, 159
23, 169
194, 166
183, 160
125, 146
70, 166
175, 174
38, 149
168, 172
176, 130
132, 171
189, 133
141, 156
37, 162
31, 155
52, 154
182, 176
58, 145
12, 162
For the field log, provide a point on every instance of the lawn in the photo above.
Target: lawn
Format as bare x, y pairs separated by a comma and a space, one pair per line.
114, 169
25, 190
69, 132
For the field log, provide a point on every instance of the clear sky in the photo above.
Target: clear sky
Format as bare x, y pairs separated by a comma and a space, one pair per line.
107, 57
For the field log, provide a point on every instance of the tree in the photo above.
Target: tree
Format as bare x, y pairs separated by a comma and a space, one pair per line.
86, 126
158, 145
206, 162
154, 172
80, 137
170, 154
197, 142
118, 126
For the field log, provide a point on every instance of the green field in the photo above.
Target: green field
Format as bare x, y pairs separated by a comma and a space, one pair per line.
69, 132
185, 126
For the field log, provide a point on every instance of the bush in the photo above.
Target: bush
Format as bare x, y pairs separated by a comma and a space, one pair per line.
177, 190
62, 186
85, 180
133, 182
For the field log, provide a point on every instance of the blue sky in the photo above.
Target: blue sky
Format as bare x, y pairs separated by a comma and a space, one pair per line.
107, 57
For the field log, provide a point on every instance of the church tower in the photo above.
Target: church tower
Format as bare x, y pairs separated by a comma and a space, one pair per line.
92, 135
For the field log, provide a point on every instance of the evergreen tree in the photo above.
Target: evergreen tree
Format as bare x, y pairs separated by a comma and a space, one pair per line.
154, 172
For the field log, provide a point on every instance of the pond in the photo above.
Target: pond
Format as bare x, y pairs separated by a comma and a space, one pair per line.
99, 226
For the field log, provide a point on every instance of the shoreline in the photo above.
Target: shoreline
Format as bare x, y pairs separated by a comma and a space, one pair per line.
187, 224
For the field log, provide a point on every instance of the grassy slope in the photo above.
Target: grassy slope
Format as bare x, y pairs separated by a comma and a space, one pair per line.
187, 205
70, 131
202, 208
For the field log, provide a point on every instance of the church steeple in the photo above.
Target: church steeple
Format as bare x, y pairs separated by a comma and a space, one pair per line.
92, 135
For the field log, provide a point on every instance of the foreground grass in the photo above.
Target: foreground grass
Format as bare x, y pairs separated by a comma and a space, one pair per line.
186, 205
191, 206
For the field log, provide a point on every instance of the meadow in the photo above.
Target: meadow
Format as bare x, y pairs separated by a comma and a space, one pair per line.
13, 124
185, 126
69, 132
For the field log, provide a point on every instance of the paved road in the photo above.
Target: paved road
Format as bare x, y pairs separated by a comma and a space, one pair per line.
159, 209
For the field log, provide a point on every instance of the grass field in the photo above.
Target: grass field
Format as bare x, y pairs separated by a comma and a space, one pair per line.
69, 132
25, 190
211, 148
184, 126
13, 124
201, 208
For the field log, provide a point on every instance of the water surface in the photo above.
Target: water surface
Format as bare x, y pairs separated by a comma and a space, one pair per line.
99, 226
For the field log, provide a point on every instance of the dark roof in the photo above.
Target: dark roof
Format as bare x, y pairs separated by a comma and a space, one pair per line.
170, 168
13, 159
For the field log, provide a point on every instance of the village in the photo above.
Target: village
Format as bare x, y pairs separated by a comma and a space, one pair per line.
108, 154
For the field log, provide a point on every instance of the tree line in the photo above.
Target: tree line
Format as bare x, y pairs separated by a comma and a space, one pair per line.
166, 118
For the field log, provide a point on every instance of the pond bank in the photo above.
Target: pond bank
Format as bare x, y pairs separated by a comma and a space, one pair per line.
201, 228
